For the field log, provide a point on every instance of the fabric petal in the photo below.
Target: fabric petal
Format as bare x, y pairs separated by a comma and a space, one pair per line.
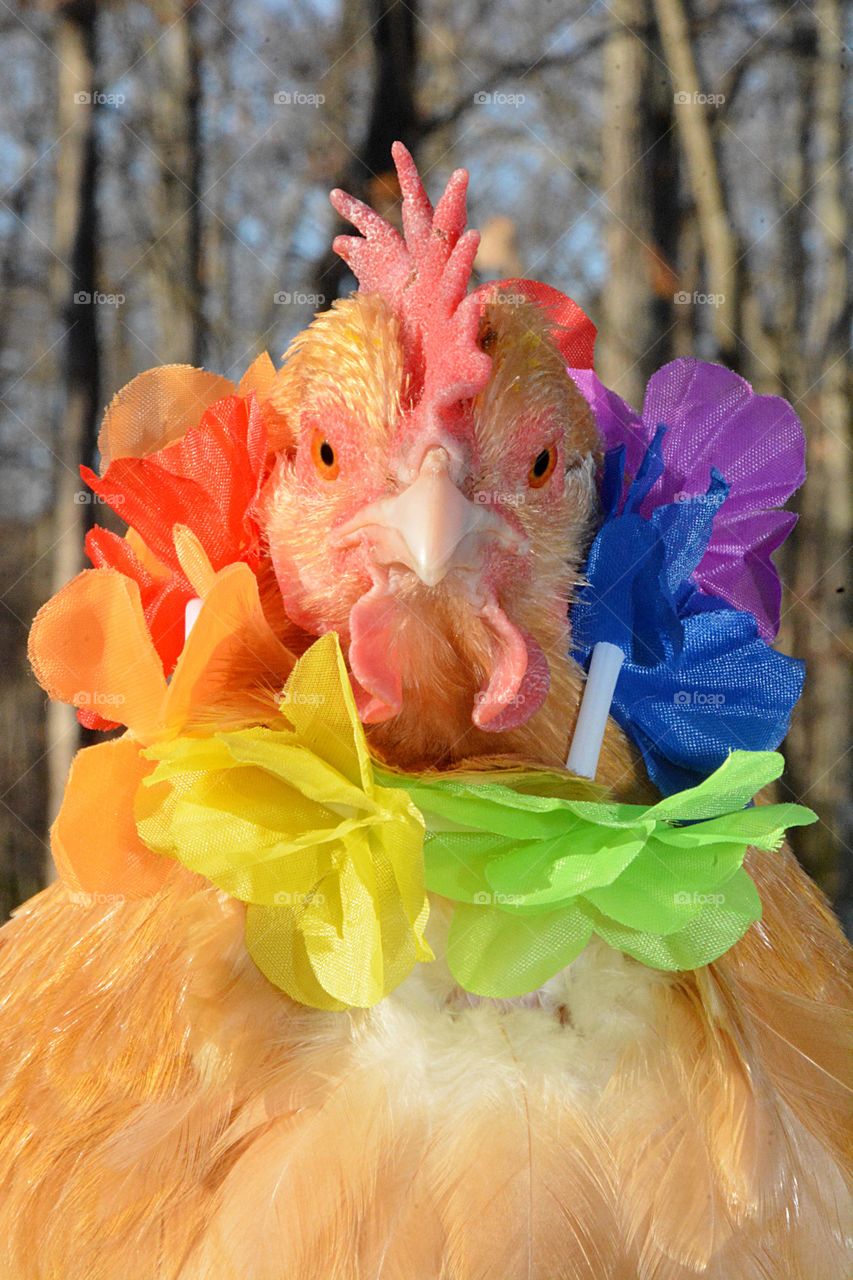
752, 536
653, 895
451, 801
502, 955
709, 934
164, 594
717, 420
260, 377
730, 787
89, 646
232, 664
248, 833
94, 840
278, 948
560, 870
340, 925
572, 330
319, 703
208, 480
457, 869
156, 408
298, 766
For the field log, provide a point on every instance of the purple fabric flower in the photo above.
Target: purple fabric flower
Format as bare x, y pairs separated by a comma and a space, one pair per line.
714, 418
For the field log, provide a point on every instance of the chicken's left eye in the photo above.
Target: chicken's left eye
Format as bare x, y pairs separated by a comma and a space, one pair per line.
324, 457
542, 468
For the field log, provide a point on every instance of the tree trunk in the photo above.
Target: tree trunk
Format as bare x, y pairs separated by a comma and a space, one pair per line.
640, 196
75, 283
24, 583
818, 758
178, 230
719, 242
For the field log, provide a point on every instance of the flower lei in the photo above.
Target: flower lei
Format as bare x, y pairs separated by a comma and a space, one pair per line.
334, 854
277, 801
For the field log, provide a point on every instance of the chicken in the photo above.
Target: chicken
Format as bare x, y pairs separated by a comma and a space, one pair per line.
167, 1113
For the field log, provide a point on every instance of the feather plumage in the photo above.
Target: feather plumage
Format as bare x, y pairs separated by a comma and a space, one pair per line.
622, 1123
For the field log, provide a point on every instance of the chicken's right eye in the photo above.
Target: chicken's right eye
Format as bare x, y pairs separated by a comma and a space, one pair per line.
324, 457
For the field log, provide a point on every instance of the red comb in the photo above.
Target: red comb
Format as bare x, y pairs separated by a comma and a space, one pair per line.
424, 276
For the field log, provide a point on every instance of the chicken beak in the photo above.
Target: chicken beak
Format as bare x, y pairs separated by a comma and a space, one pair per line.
430, 526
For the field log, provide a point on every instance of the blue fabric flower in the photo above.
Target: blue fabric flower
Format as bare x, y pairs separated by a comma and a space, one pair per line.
714, 417
698, 679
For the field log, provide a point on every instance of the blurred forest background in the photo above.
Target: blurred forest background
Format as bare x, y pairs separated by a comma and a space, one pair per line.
680, 167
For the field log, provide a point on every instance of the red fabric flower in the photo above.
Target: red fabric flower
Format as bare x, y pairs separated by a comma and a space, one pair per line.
164, 595
209, 480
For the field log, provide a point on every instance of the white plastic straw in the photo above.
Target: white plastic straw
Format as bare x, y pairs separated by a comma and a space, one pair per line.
604, 668
191, 612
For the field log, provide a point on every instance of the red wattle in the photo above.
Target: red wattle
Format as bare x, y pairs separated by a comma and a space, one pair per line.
520, 677
374, 622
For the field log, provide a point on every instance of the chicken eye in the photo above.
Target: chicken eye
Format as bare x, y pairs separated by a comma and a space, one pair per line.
324, 457
542, 468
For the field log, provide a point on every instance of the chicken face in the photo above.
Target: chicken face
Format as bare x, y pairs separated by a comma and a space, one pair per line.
434, 505
438, 552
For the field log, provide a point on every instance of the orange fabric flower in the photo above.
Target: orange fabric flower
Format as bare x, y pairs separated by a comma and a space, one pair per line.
163, 593
90, 646
185, 453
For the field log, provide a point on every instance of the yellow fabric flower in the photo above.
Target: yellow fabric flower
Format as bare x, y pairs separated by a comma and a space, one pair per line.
289, 819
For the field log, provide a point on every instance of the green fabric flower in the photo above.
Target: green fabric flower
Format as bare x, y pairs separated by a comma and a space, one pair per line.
534, 876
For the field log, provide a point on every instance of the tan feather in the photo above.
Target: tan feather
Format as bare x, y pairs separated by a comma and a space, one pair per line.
790, 980
192, 1123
